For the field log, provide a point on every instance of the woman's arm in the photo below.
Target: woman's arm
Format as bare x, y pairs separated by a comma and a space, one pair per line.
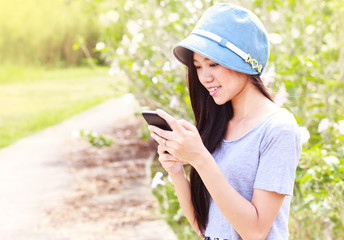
181, 184
251, 219
182, 188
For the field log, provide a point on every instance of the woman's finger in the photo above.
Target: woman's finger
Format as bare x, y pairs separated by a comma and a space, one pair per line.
163, 150
170, 120
165, 134
176, 162
188, 126
171, 161
166, 157
158, 138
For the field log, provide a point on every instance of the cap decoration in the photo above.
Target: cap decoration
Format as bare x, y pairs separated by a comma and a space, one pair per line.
254, 63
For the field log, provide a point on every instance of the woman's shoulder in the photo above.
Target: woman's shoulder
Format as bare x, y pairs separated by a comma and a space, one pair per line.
282, 130
282, 120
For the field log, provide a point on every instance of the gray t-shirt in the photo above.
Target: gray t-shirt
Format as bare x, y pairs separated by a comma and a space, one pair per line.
265, 158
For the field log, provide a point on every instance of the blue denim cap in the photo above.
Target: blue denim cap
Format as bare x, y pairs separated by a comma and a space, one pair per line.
229, 35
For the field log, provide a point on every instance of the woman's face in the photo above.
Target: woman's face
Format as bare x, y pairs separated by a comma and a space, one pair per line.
222, 83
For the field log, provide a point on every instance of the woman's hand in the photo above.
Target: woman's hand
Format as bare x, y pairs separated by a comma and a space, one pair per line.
170, 163
184, 144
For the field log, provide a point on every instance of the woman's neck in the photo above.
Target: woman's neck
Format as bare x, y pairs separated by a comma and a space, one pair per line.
251, 103
251, 108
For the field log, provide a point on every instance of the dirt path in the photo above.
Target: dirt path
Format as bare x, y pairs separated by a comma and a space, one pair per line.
56, 186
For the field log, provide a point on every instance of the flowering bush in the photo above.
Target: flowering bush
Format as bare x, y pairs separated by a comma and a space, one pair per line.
137, 44
304, 74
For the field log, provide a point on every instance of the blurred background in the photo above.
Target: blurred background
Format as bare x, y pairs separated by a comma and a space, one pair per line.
58, 58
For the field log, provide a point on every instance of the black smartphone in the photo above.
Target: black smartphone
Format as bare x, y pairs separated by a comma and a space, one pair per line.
152, 118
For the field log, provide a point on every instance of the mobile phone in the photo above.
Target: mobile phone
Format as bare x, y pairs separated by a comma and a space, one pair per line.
152, 118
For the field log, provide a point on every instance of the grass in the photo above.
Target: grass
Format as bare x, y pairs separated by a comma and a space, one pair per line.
32, 99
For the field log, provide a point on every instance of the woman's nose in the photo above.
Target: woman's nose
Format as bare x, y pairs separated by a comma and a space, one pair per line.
205, 76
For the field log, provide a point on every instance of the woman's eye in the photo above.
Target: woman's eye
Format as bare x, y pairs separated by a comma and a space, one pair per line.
210, 65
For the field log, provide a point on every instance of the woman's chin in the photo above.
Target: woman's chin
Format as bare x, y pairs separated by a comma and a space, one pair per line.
220, 101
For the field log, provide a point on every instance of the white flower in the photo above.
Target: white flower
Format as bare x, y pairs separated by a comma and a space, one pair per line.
75, 133
310, 29
331, 160
295, 33
103, 20
190, 7
275, 38
138, 38
112, 72
133, 48
341, 127
135, 67
133, 27
148, 23
269, 75
115, 70
198, 4
175, 64
326, 205
128, 5
174, 102
155, 80
125, 40
166, 67
281, 97
158, 13
275, 15
157, 180
323, 125
304, 135
162, 3
143, 71
172, 17
112, 16
100, 45
120, 51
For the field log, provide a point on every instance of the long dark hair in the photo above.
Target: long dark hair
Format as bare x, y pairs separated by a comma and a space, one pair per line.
211, 121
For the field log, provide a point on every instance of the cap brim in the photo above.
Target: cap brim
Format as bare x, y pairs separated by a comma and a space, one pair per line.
210, 50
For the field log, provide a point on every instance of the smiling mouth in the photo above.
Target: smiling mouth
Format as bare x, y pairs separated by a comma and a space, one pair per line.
212, 89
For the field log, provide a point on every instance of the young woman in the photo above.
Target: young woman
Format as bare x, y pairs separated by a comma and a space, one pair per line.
244, 149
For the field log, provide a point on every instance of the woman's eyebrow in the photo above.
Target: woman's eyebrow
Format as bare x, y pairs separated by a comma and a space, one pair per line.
205, 59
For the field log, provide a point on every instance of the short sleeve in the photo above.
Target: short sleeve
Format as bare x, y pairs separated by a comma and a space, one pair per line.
280, 150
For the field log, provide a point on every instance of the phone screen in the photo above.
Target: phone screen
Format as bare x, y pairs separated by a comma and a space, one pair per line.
152, 118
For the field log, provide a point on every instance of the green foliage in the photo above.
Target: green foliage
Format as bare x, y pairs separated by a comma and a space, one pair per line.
307, 63
138, 41
96, 139
43, 31
304, 74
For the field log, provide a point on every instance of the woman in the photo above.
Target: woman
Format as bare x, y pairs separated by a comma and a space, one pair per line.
244, 149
